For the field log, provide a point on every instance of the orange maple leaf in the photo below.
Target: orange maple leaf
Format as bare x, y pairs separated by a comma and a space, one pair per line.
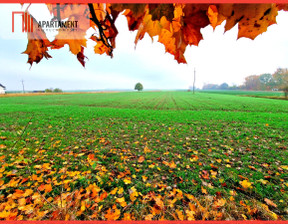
112, 214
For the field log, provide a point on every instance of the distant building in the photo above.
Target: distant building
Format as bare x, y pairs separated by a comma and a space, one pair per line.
2, 89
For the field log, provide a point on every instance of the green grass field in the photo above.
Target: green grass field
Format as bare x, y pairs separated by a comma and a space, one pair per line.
143, 156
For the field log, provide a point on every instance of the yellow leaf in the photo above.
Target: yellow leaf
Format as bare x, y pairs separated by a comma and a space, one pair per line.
172, 165
285, 167
83, 206
46, 166
127, 181
244, 217
190, 197
220, 202
146, 149
114, 191
133, 196
13, 183
121, 201
151, 166
149, 217
180, 214
190, 215
275, 217
144, 178
159, 202
95, 190
4, 214
120, 191
246, 184
27, 192
204, 191
22, 201
127, 217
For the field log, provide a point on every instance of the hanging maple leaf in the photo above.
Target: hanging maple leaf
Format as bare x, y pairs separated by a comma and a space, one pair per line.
38, 43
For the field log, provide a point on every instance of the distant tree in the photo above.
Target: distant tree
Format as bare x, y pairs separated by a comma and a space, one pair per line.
224, 86
57, 90
252, 82
285, 89
138, 86
280, 78
266, 81
50, 90
210, 86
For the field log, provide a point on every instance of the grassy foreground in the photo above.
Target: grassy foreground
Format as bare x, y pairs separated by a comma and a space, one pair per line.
143, 156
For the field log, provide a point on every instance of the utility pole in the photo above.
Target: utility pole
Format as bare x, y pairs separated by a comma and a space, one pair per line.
23, 86
194, 80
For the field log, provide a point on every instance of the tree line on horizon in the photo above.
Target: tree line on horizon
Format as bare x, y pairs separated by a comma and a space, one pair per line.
278, 81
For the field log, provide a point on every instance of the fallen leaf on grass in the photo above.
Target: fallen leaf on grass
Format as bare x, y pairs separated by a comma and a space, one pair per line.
246, 184
180, 214
269, 202
149, 217
121, 201
112, 214
141, 159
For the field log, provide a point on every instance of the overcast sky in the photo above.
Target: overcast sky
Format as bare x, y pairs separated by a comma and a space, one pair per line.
218, 58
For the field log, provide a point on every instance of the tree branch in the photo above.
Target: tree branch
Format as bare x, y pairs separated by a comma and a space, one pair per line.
103, 37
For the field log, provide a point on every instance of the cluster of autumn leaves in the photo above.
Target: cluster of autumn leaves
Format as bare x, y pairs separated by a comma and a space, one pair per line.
176, 25
48, 192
